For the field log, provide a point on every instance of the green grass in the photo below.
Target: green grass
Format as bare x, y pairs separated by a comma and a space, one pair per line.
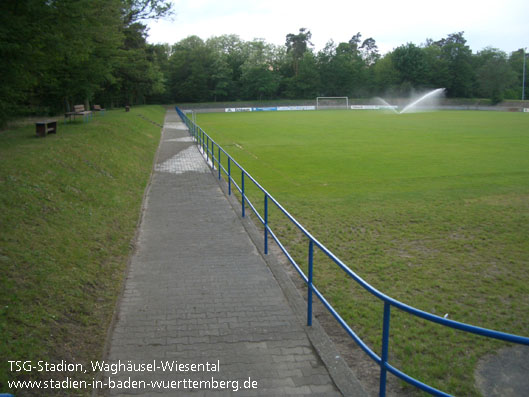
430, 208
69, 206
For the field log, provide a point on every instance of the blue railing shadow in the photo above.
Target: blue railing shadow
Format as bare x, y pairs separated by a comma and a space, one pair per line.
209, 147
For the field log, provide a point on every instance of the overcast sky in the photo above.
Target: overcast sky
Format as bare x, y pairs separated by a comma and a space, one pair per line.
502, 24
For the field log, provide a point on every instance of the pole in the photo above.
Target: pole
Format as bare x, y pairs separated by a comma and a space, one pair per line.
523, 79
266, 224
242, 192
309, 297
385, 346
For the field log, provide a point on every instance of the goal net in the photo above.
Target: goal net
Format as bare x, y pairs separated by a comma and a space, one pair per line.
335, 102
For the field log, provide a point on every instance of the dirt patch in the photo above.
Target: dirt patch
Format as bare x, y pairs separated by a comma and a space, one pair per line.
505, 373
502, 200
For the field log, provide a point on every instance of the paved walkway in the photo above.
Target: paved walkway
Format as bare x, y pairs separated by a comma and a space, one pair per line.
199, 293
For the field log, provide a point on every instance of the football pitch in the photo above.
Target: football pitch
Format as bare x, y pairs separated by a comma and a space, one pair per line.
430, 208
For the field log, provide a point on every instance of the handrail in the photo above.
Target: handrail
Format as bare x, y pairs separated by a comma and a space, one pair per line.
204, 141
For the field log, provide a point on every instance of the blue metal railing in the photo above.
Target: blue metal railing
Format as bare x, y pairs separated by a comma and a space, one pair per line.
208, 147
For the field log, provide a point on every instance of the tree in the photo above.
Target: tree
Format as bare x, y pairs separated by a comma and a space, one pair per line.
436, 66
365, 56
190, 67
23, 45
386, 76
87, 49
136, 71
220, 77
369, 51
59, 52
459, 60
342, 69
259, 79
71, 45
494, 74
347, 66
139, 10
324, 62
232, 53
297, 45
410, 62
517, 64
158, 55
307, 82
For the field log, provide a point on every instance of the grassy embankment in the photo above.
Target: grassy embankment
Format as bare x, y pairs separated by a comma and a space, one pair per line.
430, 208
69, 206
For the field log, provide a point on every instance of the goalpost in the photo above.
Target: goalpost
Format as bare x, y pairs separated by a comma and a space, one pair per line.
332, 102
193, 115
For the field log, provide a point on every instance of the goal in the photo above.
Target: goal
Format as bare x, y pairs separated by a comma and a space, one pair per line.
332, 102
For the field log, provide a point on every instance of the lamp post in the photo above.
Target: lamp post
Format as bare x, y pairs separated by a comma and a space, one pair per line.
523, 78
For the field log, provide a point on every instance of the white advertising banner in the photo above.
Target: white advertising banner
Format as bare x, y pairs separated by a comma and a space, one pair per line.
283, 108
231, 110
371, 107
269, 109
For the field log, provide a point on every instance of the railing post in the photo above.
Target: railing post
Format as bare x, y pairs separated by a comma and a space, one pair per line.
212, 154
219, 162
229, 176
266, 224
385, 346
242, 191
207, 148
309, 297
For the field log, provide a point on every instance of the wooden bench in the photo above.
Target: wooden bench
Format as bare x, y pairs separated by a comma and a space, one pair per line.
78, 110
46, 127
98, 108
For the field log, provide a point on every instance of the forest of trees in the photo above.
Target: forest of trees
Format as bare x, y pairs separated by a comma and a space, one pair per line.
227, 68
56, 53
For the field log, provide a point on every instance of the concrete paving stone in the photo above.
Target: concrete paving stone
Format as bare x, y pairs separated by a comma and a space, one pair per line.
197, 289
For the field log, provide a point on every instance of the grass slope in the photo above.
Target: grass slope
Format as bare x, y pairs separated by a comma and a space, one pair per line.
430, 208
69, 206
